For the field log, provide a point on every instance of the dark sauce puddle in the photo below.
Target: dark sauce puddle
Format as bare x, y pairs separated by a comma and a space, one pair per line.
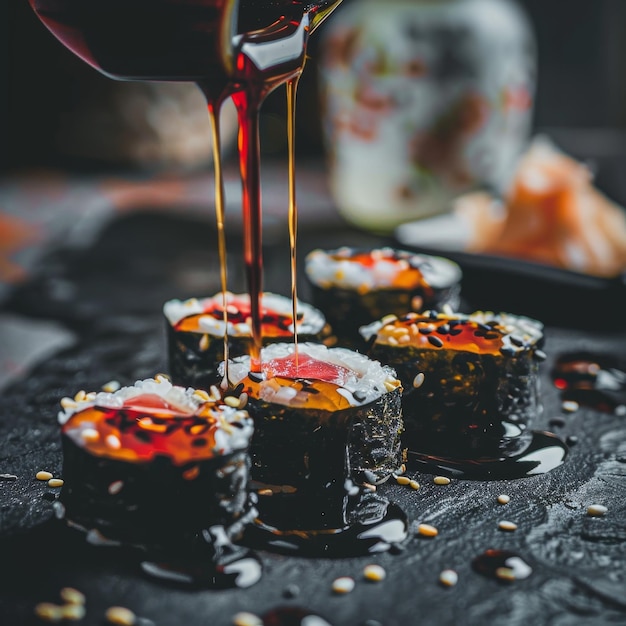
544, 453
338, 525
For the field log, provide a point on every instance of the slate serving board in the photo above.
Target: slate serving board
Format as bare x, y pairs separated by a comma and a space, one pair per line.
111, 295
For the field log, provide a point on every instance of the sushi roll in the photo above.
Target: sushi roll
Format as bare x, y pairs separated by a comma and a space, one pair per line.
354, 287
154, 464
326, 420
195, 330
470, 382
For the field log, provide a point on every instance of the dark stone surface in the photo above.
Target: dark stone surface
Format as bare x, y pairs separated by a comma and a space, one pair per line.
579, 562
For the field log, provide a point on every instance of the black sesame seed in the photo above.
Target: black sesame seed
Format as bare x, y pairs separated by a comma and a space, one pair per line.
455, 331
433, 315
492, 336
257, 378
540, 355
508, 350
425, 330
518, 341
435, 341
444, 329
199, 442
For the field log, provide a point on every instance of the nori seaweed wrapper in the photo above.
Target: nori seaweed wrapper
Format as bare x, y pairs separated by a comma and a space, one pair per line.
471, 386
195, 332
155, 465
354, 287
311, 434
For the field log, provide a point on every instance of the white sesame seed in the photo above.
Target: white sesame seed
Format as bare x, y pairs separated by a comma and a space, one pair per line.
503, 499
343, 584
43, 475
508, 526
72, 596
204, 343
426, 530
111, 387
120, 615
246, 619
403, 480
55, 482
448, 577
72, 612
441, 480
374, 573
570, 406
49, 612
68, 403
243, 400
596, 510
418, 381
215, 392
231, 401
115, 487
505, 573
80, 396
392, 340
112, 441
90, 435
414, 485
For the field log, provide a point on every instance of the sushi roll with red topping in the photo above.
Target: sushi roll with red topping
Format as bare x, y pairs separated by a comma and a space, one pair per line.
326, 420
153, 465
470, 382
354, 287
196, 327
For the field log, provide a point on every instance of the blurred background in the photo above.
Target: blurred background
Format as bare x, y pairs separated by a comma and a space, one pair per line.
45, 90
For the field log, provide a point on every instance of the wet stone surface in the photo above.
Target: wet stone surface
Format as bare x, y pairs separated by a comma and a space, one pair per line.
578, 561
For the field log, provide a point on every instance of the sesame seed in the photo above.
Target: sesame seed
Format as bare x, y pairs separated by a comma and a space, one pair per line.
388, 319
204, 343
426, 530
447, 309
72, 596
508, 526
55, 482
505, 573
414, 485
232, 401
120, 615
244, 618
441, 480
90, 435
80, 396
72, 612
112, 441
402, 468
540, 355
43, 475
115, 487
374, 573
68, 403
243, 400
570, 406
215, 392
503, 499
448, 577
435, 341
111, 387
343, 584
596, 510
49, 612
403, 480
418, 381
392, 341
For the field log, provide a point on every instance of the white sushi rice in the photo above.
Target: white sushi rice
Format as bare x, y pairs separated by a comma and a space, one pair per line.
312, 320
182, 399
335, 268
368, 379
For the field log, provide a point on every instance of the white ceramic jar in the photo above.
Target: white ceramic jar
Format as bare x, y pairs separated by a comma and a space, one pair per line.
423, 100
